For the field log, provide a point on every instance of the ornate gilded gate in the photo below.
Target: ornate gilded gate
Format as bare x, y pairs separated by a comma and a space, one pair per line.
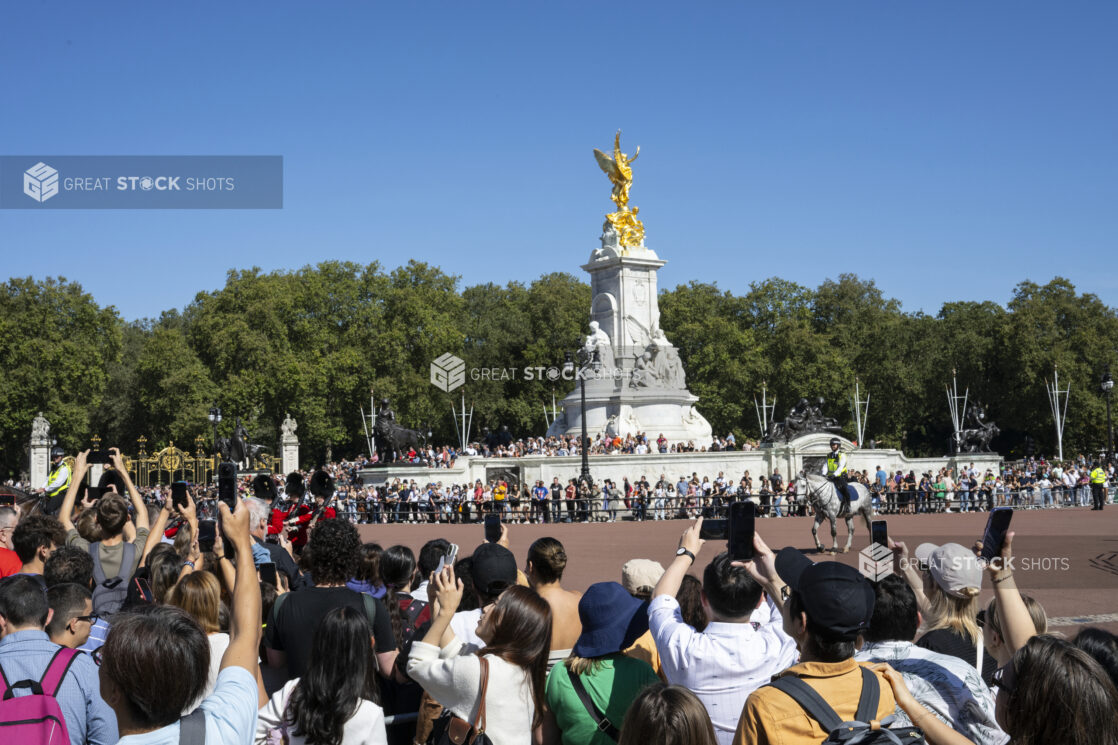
173, 464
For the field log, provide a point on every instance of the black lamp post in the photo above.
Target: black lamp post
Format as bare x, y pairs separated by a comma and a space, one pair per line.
1106, 385
595, 361
215, 417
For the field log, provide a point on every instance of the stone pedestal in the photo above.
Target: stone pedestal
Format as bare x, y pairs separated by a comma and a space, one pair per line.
39, 466
642, 386
289, 445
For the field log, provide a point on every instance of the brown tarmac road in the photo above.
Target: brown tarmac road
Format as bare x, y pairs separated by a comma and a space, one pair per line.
1068, 558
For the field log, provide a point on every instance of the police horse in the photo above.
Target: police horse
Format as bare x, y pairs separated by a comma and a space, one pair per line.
823, 497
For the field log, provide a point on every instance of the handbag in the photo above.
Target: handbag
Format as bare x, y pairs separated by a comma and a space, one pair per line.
450, 729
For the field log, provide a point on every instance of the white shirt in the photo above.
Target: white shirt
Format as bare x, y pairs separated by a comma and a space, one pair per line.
725, 662
951, 688
365, 727
464, 625
420, 593
454, 680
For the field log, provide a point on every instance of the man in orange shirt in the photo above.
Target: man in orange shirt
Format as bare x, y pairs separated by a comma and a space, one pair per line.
827, 607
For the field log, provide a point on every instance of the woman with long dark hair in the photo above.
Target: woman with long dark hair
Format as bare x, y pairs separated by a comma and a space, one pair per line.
517, 634
337, 701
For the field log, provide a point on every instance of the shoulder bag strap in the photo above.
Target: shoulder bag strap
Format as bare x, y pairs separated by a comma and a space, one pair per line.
871, 696
812, 702
57, 669
601, 720
192, 728
98, 571
478, 725
370, 608
127, 558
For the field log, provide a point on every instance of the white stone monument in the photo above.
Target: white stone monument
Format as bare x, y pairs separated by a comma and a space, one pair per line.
40, 451
289, 444
642, 386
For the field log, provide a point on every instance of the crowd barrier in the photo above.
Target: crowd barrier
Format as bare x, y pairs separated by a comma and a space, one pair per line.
673, 508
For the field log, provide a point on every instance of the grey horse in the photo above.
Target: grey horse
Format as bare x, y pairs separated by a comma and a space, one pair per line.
824, 500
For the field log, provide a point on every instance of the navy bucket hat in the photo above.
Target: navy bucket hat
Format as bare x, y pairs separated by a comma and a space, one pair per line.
612, 620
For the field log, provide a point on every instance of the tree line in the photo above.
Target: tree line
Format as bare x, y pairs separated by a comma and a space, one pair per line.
317, 341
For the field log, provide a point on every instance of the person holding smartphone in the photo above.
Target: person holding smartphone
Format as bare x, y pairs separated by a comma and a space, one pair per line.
743, 645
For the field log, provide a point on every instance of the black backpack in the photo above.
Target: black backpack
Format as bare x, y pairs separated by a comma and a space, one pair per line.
858, 732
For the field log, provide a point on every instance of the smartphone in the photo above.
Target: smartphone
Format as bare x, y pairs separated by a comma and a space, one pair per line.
450, 557
996, 527
98, 456
7, 500
268, 573
492, 528
93, 493
227, 484
713, 530
740, 531
178, 494
879, 533
207, 534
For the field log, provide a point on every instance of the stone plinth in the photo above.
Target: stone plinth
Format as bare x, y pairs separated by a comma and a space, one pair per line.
39, 467
642, 386
289, 445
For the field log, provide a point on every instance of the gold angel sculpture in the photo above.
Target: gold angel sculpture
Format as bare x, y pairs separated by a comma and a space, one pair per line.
630, 230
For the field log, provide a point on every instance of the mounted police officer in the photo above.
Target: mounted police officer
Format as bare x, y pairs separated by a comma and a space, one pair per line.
835, 471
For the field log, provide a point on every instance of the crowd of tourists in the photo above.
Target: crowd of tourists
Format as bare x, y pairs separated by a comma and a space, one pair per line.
114, 630
686, 496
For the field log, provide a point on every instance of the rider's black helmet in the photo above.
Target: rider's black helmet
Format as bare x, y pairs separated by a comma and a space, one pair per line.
57, 452
835, 441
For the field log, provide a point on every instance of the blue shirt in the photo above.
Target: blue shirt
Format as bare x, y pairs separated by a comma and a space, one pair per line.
24, 655
98, 633
230, 714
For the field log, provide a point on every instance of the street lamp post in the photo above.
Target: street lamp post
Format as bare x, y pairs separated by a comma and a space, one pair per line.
1106, 385
595, 361
215, 417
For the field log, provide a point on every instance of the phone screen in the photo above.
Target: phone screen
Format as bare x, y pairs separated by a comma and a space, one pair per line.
268, 574
996, 527
98, 456
742, 516
178, 494
7, 500
713, 530
492, 528
879, 532
93, 493
207, 534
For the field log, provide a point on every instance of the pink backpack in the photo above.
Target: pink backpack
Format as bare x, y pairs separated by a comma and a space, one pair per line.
36, 719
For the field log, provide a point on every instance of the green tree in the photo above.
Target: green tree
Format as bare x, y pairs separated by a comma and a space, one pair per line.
57, 343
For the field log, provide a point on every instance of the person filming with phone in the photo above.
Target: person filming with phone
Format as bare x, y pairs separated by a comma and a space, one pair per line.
740, 649
118, 553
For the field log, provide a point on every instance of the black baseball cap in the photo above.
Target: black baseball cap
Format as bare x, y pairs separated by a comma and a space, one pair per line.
493, 569
838, 600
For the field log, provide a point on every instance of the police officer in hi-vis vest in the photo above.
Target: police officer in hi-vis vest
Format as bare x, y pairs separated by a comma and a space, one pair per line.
58, 481
835, 471
1098, 487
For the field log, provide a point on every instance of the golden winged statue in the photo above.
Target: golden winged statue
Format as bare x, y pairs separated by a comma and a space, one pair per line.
629, 229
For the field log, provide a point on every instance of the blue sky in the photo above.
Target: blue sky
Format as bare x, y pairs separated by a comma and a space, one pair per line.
946, 150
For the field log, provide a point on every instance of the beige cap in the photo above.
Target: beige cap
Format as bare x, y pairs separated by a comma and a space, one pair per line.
954, 567
639, 576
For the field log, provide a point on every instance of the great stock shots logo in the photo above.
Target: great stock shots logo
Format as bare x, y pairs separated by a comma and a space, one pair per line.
129, 182
875, 562
448, 372
40, 182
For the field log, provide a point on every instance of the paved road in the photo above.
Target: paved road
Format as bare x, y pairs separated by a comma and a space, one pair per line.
1069, 557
